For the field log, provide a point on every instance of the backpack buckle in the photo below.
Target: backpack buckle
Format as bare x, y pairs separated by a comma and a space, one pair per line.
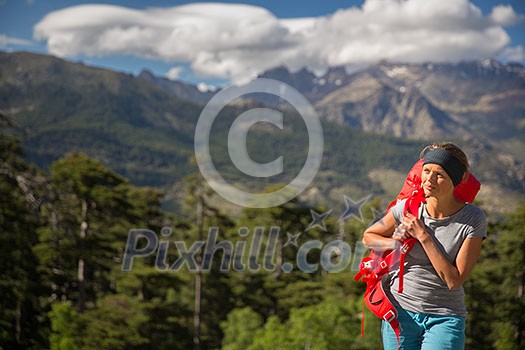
389, 316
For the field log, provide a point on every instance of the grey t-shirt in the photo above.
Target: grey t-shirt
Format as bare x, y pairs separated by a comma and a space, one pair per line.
423, 290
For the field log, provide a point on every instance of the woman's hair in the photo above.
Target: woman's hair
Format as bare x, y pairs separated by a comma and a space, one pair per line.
450, 147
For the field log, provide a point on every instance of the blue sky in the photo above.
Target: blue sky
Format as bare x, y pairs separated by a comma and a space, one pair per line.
220, 42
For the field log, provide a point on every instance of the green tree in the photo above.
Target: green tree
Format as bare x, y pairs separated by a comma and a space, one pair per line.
113, 325
87, 225
239, 328
511, 303
159, 292
494, 291
272, 337
81, 248
210, 292
331, 324
22, 316
63, 336
264, 285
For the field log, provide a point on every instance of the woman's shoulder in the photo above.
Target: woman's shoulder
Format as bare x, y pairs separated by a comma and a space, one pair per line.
398, 209
474, 217
473, 211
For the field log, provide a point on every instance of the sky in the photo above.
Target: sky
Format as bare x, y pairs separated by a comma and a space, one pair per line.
216, 43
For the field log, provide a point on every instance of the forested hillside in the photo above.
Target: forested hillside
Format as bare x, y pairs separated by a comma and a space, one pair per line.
375, 122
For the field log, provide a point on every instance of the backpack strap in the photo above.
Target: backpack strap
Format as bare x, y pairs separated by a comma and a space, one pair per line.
377, 301
377, 264
404, 249
413, 205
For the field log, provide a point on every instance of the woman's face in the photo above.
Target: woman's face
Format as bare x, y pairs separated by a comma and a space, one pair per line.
436, 182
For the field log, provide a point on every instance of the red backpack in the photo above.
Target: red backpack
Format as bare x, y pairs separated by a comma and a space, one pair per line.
377, 264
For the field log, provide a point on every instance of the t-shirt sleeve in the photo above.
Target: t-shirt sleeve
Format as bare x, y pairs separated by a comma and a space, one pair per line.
397, 210
478, 224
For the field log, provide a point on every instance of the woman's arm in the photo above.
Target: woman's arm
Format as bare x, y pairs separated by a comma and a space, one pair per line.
379, 235
468, 254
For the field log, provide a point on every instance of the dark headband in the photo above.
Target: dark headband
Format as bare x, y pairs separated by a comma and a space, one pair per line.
448, 162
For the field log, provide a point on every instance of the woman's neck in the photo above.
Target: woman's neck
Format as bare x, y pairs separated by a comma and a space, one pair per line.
442, 208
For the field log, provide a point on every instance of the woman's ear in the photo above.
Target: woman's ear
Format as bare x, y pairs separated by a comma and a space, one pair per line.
465, 176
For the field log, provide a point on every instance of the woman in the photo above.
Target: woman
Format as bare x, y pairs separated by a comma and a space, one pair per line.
431, 308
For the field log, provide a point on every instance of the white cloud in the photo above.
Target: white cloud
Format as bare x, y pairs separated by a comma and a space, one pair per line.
204, 87
236, 42
174, 73
505, 15
513, 54
6, 41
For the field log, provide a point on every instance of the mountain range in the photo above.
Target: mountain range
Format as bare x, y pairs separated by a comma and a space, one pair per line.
375, 121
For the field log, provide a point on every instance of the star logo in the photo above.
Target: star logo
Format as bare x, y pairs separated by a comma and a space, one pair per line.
318, 219
354, 208
292, 239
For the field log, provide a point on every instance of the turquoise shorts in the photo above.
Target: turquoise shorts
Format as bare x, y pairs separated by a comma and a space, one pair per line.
425, 332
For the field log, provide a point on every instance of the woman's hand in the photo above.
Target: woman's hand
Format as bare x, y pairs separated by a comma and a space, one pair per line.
414, 227
400, 233
453, 274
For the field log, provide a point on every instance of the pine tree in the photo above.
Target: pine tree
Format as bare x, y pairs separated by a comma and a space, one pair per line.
20, 288
211, 290
88, 218
494, 291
